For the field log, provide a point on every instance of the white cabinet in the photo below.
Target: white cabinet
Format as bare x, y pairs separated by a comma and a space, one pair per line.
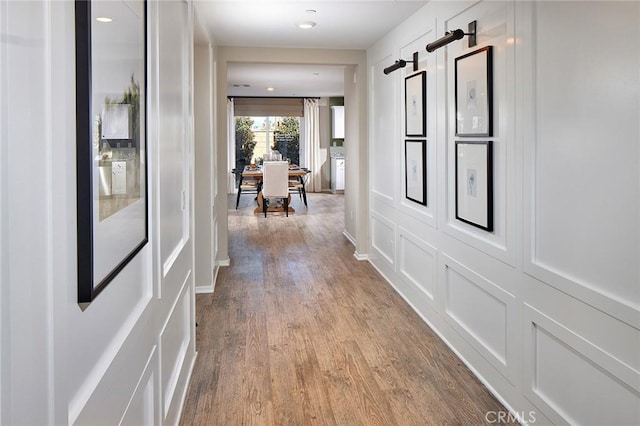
118, 177
337, 118
337, 174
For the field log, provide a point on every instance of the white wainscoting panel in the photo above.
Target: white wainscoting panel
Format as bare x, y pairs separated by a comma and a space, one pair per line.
481, 312
174, 342
173, 256
172, 142
383, 237
101, 405
417, 262
581, 228
571, 379
110, 322
383, 141
140, 410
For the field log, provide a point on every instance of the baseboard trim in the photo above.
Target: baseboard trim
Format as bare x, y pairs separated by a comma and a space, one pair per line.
349, 237
208, 288
204, 289
360, 256
223, 262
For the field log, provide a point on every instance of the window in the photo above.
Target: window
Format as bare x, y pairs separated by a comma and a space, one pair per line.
255, 136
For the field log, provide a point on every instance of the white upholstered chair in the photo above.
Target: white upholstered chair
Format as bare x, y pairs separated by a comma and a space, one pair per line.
275, 183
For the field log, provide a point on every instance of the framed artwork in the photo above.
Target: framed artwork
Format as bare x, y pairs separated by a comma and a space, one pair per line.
415, 153
474, 93
111, 180
474, 184
415, 104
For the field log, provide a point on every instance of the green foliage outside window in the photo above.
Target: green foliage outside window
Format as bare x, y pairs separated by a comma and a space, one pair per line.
286, 138
245, 141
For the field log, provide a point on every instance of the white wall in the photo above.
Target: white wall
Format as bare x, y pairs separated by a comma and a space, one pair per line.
546, 308
355, 149
325, 143
127, 357
206, 220
25, 291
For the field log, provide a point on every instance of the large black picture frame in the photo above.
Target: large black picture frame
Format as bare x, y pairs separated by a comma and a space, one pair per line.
111, 122
474, 93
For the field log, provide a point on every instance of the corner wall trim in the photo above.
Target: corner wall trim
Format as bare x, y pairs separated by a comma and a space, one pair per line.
359, 256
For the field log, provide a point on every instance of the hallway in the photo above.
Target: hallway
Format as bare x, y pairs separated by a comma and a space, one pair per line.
299, 332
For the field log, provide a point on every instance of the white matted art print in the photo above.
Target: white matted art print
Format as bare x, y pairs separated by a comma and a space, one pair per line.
474, 93
415, 104
474, 184
415, 171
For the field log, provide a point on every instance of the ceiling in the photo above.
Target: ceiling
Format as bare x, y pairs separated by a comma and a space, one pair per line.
339, 25
285, 79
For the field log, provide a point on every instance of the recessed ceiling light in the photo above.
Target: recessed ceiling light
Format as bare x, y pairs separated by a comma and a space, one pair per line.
311, 11
103, 19
270, 89
306, 25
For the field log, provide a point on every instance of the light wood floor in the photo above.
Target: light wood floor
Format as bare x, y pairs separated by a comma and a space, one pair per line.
299, 332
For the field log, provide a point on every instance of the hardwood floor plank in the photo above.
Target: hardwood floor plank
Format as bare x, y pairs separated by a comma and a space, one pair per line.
257, 383
374, 406
298, 332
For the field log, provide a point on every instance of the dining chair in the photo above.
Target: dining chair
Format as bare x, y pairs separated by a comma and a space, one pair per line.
298, 185
247, 186
275, 183
295, 186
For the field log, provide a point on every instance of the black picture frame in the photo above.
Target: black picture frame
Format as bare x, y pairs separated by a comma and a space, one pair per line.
474, 93
474, 183
111, 81
415, 170
415, 107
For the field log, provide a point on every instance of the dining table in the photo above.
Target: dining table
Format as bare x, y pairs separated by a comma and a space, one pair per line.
295, 173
